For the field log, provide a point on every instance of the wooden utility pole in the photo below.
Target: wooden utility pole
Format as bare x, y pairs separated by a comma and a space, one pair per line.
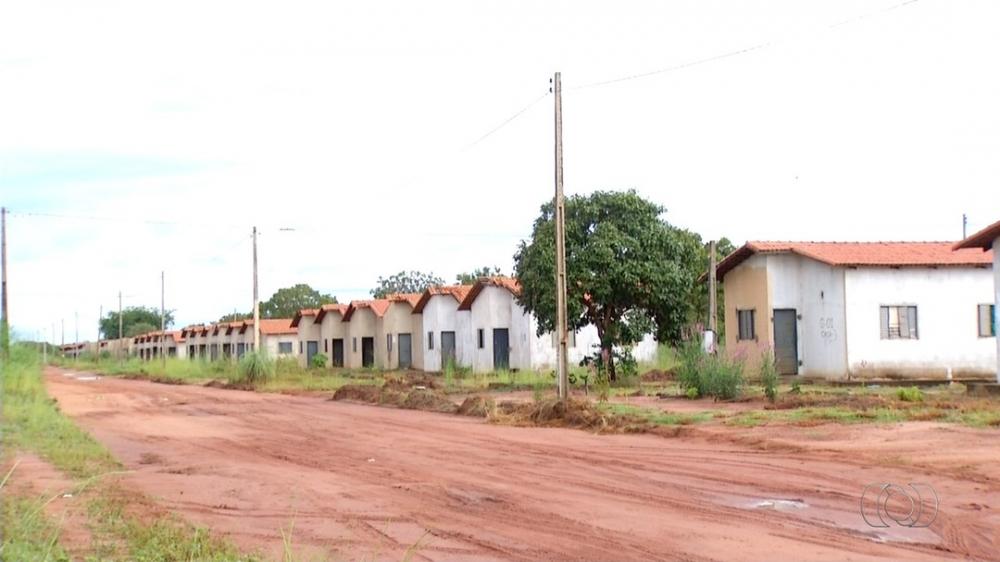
163, 321
712, 306
4, 318
256, 299
121, 342
560, 210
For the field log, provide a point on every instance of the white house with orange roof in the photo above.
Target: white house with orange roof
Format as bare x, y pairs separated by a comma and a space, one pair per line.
333, 332
988, 239
400, 331
308, 335
860, 310
499, 334
439, 315
363, 333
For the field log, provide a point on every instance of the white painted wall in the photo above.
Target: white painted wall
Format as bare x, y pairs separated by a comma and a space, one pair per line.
996, 299
946, 300
308, 331
494, 308
441, 314
816, 291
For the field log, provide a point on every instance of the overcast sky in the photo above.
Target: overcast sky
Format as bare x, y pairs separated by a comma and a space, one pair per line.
357, 123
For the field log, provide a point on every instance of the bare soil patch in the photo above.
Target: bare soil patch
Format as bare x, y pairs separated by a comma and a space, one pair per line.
363, 482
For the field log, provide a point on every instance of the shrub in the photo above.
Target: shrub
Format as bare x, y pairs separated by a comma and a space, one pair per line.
709, 375
691, 393
769, 376
912, 394
255, 368
796, 389
318, 361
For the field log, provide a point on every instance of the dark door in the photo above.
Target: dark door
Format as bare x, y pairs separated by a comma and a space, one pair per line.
367, 352
338, 352
241, 348
405, 351
312, 348
786, 344
501, 349
447, 348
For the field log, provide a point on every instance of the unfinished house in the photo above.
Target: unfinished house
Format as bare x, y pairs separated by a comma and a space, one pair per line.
988, 239
308, 335
438, 307
363, 331
860, 310
333, 332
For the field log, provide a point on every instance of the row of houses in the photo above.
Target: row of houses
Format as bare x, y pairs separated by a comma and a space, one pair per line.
833, 310
479, 326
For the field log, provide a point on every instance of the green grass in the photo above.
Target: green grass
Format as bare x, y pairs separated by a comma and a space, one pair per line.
655, 415
32, 422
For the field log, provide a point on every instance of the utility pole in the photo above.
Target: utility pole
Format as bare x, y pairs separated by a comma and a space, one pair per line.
965, 223
163, 319
256, 299
712, 306
121, 342
4, 318
560, 210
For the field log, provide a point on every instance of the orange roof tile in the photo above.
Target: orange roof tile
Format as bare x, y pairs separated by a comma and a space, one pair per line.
378, 306
411, 298
508, 283
323, 310
982, 239
459, 292
304, 312
276, 326
863, 254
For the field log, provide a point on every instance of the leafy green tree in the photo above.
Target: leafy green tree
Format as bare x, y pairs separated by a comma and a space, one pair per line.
471, 277
284, 303
628, 271
236, 316
134, 318
405, 282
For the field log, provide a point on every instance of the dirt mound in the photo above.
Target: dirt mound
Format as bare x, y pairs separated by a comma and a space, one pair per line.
656, 375
151, 378
858, 402
476, 406
405, 383
430, 401
359, 392
576, 413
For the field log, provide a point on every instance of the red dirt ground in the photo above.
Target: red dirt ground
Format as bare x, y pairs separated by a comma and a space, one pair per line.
361, 481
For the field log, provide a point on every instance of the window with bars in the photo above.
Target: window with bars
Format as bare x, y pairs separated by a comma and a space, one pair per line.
430, 340
987, 320
746, 319
284, 347
898, 322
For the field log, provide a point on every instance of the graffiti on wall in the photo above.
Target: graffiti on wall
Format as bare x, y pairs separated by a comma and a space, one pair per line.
827, 331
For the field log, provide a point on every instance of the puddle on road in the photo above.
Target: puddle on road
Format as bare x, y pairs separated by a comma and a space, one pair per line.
778, 505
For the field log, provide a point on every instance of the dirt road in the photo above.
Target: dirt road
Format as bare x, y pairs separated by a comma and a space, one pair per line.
354, 481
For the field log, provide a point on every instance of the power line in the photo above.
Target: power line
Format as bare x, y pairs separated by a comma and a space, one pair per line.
506, 121
734, 53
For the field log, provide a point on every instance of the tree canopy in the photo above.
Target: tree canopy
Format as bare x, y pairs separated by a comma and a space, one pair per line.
284, 303
236, 316
469, 278
405, 282
628, 271
136, 320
